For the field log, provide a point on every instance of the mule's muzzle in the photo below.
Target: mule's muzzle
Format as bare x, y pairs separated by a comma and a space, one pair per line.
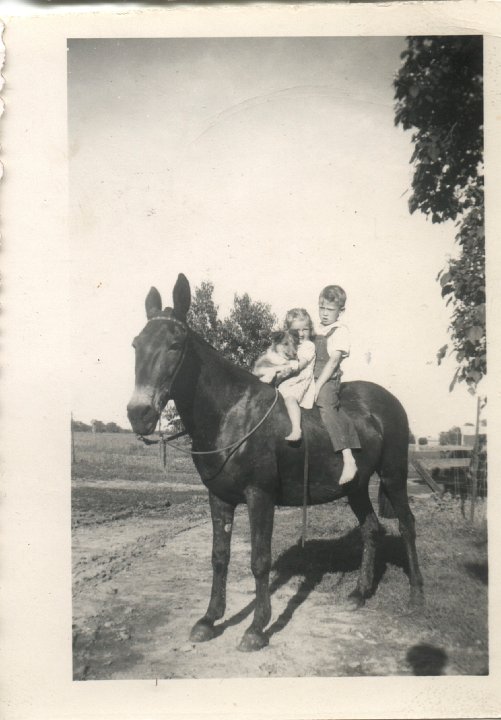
142, 417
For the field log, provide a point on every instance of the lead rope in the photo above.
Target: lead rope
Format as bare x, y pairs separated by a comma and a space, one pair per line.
305, 491
163, 454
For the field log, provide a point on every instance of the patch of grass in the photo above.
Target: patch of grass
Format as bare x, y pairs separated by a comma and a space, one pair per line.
112, 456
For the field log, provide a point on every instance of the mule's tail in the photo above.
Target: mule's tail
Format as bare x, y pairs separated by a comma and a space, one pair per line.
385, 508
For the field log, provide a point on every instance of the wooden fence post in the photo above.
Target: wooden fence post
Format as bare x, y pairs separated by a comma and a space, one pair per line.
475, 464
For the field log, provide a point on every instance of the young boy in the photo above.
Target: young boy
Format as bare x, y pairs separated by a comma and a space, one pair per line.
332, 344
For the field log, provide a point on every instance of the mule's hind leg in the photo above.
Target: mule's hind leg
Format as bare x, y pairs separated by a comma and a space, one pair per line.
369, 526
395, 487
222, 525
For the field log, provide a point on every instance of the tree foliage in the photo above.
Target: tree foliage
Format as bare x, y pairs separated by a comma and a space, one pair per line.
241, 336
112, 427
439, 94
170, 420
79, 426
451, 437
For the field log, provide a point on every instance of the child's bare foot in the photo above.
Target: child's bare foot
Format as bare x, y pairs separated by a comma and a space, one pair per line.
349, 471
294, 436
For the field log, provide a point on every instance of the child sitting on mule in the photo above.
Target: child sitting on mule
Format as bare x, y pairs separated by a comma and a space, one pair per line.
332, 345
298, 387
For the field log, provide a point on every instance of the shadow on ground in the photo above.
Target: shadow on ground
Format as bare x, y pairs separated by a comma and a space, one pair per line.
480, 571
427, 659
318, 558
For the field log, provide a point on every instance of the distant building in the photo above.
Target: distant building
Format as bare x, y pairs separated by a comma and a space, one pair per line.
432, 441
468, 434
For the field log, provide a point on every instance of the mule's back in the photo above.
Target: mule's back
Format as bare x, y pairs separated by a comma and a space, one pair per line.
381, 423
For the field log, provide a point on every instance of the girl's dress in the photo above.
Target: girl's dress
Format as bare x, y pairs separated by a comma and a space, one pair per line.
302, 386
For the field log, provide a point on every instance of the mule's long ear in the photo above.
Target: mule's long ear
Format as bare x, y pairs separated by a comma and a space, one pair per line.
153, 303
182, 297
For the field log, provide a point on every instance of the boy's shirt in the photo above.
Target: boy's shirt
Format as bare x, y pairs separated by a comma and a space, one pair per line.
339, 340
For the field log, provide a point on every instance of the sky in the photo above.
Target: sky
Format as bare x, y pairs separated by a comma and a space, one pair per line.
267, 165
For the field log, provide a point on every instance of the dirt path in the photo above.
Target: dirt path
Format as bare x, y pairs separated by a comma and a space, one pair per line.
140, 583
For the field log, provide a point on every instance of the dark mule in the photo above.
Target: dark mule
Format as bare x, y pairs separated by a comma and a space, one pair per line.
219, 405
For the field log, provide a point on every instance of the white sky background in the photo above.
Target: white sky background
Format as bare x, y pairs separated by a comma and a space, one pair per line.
269, 166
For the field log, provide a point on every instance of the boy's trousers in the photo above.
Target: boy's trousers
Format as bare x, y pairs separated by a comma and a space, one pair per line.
338, 424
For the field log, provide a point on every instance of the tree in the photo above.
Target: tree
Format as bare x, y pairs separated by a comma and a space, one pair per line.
170, 420
451, 437
246, 332
439, 93
423, 441
112, 427
241, 336
203, 314
79, 426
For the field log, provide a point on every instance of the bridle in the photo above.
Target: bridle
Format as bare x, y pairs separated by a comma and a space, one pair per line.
167, 439
183, 351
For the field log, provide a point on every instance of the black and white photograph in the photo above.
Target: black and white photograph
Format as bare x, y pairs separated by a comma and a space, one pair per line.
308, 213
250, 434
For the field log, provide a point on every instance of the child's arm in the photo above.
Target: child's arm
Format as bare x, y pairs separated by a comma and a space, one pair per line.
331, 366
287, 369
305, 356
293, 367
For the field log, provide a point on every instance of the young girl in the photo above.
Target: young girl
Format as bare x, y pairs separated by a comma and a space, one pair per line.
298, 390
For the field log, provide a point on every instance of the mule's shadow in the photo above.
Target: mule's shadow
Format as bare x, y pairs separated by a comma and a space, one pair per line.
338, 556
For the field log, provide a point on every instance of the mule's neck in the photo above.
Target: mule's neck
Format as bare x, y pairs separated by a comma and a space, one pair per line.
207, 387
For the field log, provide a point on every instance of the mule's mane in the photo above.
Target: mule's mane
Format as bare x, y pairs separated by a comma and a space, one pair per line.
201, 344
204, 349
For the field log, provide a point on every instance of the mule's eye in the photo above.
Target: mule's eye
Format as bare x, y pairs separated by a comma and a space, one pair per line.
175, 346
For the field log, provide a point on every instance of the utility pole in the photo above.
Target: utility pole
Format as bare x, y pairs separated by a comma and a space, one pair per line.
73, 455
474, 465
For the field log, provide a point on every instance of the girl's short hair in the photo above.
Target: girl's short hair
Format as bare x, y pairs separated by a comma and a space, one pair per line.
299, 314
334, 294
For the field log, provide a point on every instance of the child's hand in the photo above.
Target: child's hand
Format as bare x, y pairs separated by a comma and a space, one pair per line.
282, 372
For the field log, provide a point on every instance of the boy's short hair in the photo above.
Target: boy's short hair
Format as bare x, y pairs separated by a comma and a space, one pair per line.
334, 294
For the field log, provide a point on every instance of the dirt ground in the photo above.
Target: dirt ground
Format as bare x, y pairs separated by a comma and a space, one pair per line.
142, 575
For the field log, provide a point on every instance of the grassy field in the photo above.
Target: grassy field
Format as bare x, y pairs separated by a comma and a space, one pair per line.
116, 476
110, 456
118, 480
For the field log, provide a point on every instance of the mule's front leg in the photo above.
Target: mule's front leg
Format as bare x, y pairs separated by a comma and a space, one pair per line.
222, 526
261, 509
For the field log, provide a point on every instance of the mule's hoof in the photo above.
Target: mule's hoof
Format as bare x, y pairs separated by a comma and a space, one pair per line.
354, 601
202, 631
252, 641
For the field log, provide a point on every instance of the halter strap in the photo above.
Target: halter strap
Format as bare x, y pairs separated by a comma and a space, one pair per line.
167, 319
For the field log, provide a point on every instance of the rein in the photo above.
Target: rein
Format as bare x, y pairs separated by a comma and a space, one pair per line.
233, 445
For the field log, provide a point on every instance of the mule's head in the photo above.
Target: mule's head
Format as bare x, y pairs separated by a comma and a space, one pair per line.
160, 349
